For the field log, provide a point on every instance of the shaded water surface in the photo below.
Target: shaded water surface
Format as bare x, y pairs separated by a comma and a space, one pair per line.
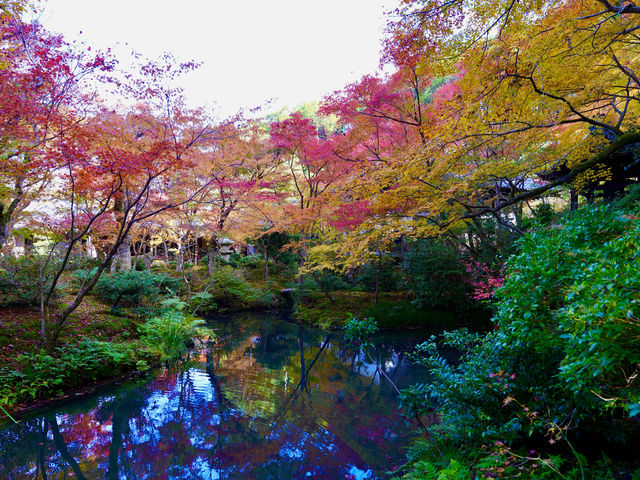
272, 400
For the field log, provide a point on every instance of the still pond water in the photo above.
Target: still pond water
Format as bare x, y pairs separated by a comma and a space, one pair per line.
272, 400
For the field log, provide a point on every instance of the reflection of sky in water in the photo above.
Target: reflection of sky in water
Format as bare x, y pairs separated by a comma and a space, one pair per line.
358, 474
273, 400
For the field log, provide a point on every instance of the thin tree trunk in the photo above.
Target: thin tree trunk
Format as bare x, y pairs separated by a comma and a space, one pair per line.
6, 213
180, 257
573, 199
60, 444
212, 253
195, 253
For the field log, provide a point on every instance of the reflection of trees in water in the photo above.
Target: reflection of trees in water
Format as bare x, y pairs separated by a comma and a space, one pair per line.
61, 446
231, 414
302, 385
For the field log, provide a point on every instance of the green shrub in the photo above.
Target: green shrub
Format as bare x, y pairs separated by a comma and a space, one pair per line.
81, 276
173, 332
203, 302
82, 262
231, 291
541, 215
159, 265
331, 282
563, 355
387, 276
20, 280
252, 261
44, 374
135, 288
399, 314
359, 331
436, 275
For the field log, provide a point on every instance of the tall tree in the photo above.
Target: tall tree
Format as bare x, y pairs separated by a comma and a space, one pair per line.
41, 98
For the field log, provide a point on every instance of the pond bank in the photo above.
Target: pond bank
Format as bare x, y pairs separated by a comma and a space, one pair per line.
271, 400
97, 347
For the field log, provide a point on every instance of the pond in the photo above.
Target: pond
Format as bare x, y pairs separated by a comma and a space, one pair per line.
272, 400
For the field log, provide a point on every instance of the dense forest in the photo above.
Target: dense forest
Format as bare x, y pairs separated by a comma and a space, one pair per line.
486, 187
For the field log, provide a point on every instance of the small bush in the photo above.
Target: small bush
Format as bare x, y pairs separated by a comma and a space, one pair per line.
173, 332
387, 276
331, 282
20, 280
231, 291
82, 262
135, 288
203, 302
82, 276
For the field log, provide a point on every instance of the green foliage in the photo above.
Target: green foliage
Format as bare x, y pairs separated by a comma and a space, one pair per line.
40, 374
203, 302
330, 282
275, 244
135, 288
250, 261
173, 332
542, 214
43, 374
82, 262
563, 355
81, 276
435, 275
385, 271
139, 265
401, 314
20, 280
232, 291
359, 331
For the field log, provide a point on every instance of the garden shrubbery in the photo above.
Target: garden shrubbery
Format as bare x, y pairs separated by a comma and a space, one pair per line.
20, 280
173, 331
560, 366
39, 374
135, 288
435, 273
231, 290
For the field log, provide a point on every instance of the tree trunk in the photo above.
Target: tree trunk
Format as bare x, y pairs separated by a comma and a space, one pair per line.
4, 229
125, 254
574, 199
180, 257
166, 251
212, 253
6, 213
378, 270
123, 257
322, 287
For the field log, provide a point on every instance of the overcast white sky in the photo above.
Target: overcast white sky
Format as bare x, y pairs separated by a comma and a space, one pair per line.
253, 50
